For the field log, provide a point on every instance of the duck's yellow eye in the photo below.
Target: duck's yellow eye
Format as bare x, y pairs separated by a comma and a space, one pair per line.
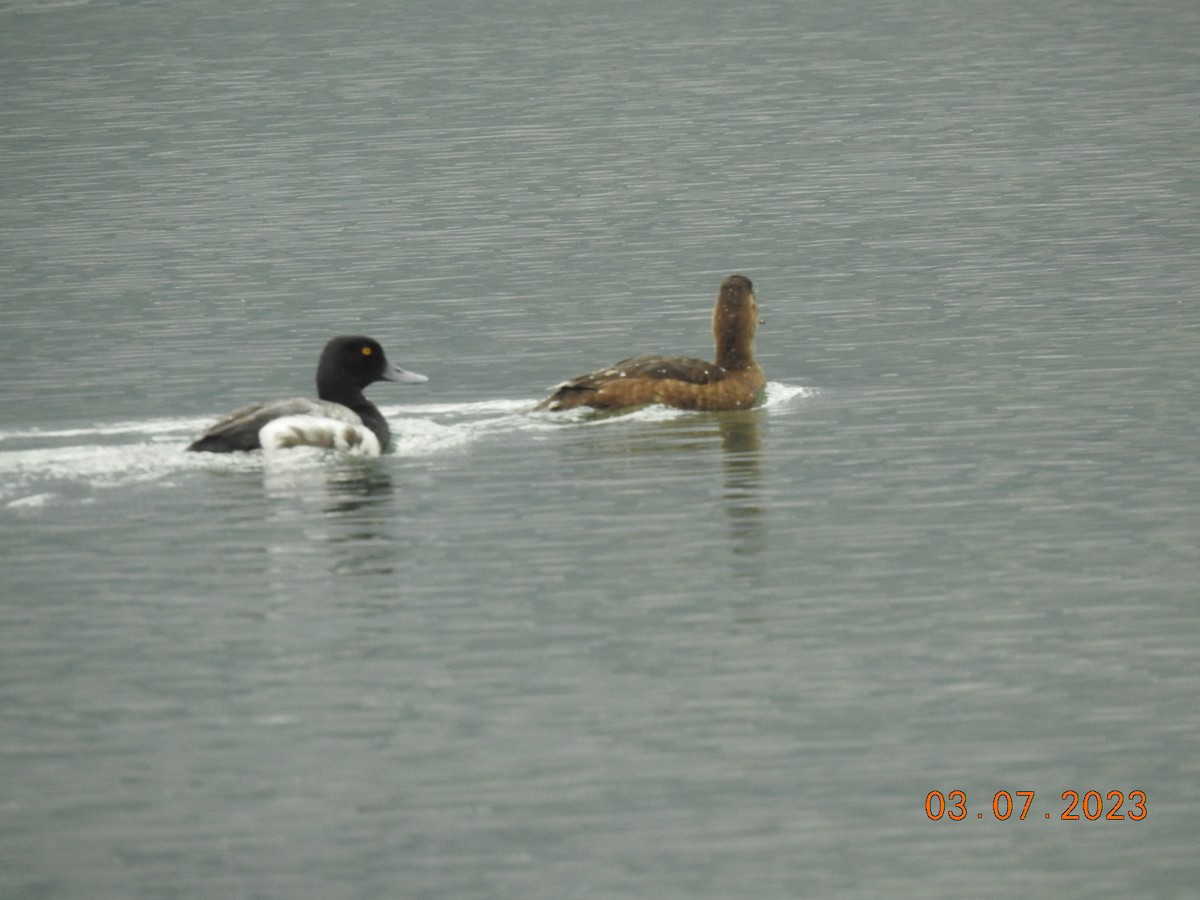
366, 351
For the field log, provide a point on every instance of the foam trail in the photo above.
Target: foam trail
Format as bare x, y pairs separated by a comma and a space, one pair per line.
152, 428
39, 466
782, 394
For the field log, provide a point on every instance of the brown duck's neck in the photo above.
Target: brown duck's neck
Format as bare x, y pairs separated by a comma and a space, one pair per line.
734, 349
734, 324
735, 359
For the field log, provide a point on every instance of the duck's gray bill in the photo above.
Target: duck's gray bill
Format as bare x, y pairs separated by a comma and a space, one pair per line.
403, 377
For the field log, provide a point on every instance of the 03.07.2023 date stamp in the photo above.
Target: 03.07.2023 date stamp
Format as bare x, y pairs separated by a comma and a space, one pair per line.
1113, 806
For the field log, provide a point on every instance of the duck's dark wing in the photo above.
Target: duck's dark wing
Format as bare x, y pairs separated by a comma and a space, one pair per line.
580, 390
239, 430
679, 368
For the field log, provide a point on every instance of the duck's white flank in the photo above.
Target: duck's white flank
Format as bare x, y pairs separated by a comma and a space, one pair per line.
319, 431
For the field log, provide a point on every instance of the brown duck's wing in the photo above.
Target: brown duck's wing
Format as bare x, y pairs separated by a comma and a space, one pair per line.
676, 368
583, 390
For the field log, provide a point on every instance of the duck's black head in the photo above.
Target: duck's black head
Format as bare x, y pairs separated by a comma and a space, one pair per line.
351, 362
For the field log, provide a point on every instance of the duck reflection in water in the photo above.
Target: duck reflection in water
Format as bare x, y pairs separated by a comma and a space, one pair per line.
350, 515
678, 441
741, 454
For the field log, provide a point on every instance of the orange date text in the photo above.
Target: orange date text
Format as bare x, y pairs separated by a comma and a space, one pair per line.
1092, 806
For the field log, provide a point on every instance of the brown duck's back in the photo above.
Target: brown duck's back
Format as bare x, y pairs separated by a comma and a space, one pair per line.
676, 381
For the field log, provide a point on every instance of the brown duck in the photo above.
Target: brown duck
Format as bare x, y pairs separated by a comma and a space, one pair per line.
734, 381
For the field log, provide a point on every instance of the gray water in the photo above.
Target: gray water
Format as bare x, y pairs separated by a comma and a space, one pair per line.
662, 654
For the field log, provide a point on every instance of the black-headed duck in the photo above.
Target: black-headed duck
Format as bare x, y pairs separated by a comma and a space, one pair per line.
342, 419
734, 381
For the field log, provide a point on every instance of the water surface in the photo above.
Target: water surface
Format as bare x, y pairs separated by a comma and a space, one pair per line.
661, 654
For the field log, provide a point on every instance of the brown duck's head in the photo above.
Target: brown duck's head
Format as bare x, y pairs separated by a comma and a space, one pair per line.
735, 320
